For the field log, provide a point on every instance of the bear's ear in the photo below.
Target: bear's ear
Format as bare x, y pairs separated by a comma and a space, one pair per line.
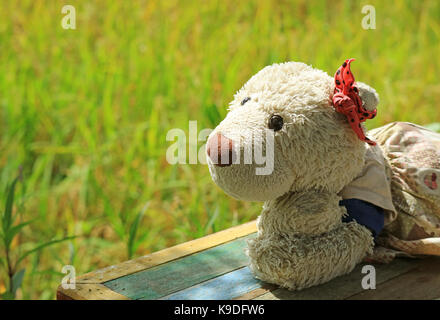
369, 96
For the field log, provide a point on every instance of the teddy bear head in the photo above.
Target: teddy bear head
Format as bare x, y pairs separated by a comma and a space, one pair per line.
282, 134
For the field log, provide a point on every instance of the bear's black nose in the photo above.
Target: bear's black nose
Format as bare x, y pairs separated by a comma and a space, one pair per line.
220, 150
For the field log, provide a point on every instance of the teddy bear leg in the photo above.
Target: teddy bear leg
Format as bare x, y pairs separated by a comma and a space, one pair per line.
299, 262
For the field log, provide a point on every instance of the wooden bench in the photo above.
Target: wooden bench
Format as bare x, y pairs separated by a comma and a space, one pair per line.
215, 267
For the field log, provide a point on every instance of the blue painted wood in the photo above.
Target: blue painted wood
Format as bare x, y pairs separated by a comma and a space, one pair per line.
176, 275
225, 287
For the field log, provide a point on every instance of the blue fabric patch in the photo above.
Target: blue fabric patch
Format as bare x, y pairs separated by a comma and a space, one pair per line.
364, 213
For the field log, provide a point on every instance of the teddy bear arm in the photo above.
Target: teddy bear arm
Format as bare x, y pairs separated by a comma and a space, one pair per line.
301, 213
299, 262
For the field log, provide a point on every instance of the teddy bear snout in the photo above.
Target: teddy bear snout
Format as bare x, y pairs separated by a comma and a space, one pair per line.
220, 150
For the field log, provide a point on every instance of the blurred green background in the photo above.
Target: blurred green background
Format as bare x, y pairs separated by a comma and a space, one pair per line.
85, 112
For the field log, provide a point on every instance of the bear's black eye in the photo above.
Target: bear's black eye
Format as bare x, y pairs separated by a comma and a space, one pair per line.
245, 100
276, 122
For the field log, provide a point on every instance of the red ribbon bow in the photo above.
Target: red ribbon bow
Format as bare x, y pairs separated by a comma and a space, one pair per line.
347, 101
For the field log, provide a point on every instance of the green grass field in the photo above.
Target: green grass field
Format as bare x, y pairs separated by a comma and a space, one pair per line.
85, 112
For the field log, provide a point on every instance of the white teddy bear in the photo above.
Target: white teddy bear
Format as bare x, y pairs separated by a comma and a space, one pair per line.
316, 159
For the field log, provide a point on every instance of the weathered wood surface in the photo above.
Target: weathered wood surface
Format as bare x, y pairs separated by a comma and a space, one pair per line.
344, 286
169, 254
215, 267
176, 275
89, 291
421, 283
226, 287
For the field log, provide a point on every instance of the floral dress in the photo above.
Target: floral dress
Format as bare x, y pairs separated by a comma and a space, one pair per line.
412, 155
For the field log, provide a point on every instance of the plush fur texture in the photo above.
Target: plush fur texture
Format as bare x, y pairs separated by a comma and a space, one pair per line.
301, 240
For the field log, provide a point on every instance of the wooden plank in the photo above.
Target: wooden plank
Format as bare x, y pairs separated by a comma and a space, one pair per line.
267, 287
89, 291
228, 286
185, 272
169, 254
421, 283
343, 286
